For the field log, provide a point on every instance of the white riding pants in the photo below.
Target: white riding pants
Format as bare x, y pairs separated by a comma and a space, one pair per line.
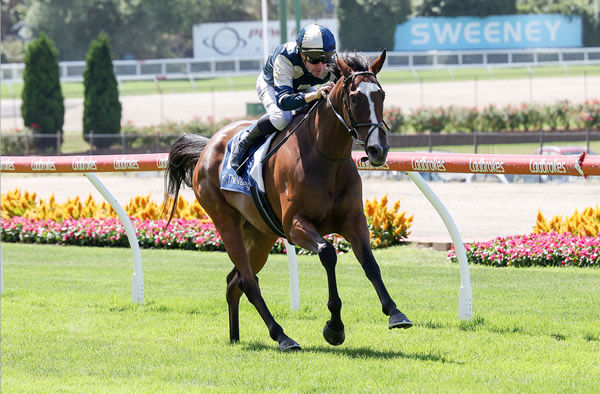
266, 93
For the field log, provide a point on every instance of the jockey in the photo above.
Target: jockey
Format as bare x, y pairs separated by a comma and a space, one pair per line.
289, 81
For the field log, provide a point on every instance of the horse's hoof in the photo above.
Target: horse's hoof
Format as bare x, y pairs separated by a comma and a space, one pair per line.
399, 320
333, 337
289, 344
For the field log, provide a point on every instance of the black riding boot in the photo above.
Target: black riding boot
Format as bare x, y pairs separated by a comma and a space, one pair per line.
262, 128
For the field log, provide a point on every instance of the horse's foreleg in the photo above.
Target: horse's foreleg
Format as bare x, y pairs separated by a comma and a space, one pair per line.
334, 328
304, 234
357, 233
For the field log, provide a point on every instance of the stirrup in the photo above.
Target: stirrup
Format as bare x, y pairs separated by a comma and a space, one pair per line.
238, 162
240, 152
239, 171
239, 156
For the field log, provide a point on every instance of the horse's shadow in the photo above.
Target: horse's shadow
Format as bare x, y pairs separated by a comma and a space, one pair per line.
357, 352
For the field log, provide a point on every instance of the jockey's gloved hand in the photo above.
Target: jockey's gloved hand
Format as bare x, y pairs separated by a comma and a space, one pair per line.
325, 89
321, 92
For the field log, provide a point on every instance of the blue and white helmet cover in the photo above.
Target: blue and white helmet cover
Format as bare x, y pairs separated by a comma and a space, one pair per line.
316, 38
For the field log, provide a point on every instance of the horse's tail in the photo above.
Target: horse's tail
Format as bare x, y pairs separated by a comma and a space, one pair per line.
183, 156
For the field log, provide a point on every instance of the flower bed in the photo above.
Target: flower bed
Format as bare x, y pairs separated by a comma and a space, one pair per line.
571, 241
546, 249
28, 219
179, 234
585, 223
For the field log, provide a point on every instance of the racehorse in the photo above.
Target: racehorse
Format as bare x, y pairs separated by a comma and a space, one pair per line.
313, 186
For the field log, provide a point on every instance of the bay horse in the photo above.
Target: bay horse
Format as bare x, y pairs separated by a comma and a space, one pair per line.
313, 186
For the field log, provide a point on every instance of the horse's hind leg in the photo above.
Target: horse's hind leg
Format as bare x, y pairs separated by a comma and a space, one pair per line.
233, 302
304, 234
258, 254
249, 286
248, 250
258, 246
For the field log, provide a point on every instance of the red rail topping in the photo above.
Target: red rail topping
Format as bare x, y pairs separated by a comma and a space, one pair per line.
101, 163
574, 165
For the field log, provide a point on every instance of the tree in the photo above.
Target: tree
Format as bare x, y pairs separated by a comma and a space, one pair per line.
147, 29
11, 13
73, 24
42, 105
357, 18
479, 8
101, 106
12, 31
583, 8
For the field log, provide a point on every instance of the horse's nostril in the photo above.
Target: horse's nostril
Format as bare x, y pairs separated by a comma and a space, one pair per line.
385, 148
373, 150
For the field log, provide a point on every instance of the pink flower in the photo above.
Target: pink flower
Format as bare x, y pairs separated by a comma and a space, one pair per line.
539, 249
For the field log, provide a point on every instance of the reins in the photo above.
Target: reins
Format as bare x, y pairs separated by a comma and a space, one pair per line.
284, 139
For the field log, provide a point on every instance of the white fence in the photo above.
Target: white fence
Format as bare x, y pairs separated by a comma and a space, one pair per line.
189, 68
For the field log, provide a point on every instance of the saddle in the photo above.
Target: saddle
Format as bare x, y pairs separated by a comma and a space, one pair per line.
251, 182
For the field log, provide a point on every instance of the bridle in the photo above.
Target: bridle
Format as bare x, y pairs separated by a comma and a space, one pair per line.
352, 129
353, 126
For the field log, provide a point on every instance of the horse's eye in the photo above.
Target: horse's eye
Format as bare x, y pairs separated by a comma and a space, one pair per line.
353, 99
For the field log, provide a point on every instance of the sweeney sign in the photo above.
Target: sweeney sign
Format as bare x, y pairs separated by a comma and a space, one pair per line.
493, 32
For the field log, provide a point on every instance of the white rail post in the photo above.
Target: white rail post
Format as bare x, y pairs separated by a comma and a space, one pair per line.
294, 281
465, 294
137, 286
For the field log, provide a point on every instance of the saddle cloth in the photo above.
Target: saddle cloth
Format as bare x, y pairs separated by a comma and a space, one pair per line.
252, 172
251, 181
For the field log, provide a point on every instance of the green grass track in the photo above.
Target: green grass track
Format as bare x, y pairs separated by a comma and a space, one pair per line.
68, 325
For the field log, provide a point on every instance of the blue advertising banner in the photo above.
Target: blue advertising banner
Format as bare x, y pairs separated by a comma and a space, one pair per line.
493, 32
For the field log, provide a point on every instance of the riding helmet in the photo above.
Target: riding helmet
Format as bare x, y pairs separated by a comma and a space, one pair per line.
316, 42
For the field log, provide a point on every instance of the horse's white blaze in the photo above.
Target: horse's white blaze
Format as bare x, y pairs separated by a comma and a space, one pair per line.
367, 88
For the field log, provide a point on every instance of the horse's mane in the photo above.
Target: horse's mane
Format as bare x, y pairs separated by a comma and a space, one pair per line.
355, 60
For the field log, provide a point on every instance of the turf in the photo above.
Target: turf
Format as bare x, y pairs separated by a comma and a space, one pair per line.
68, 325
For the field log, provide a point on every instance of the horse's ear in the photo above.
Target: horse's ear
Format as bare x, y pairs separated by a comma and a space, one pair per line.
375, 67
344, 68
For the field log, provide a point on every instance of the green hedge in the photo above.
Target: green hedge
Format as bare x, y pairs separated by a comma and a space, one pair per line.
562, 115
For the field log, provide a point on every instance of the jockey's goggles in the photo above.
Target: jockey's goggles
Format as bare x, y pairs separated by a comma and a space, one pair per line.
318, 57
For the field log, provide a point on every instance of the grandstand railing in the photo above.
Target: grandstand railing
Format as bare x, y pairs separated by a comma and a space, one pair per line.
190, 68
